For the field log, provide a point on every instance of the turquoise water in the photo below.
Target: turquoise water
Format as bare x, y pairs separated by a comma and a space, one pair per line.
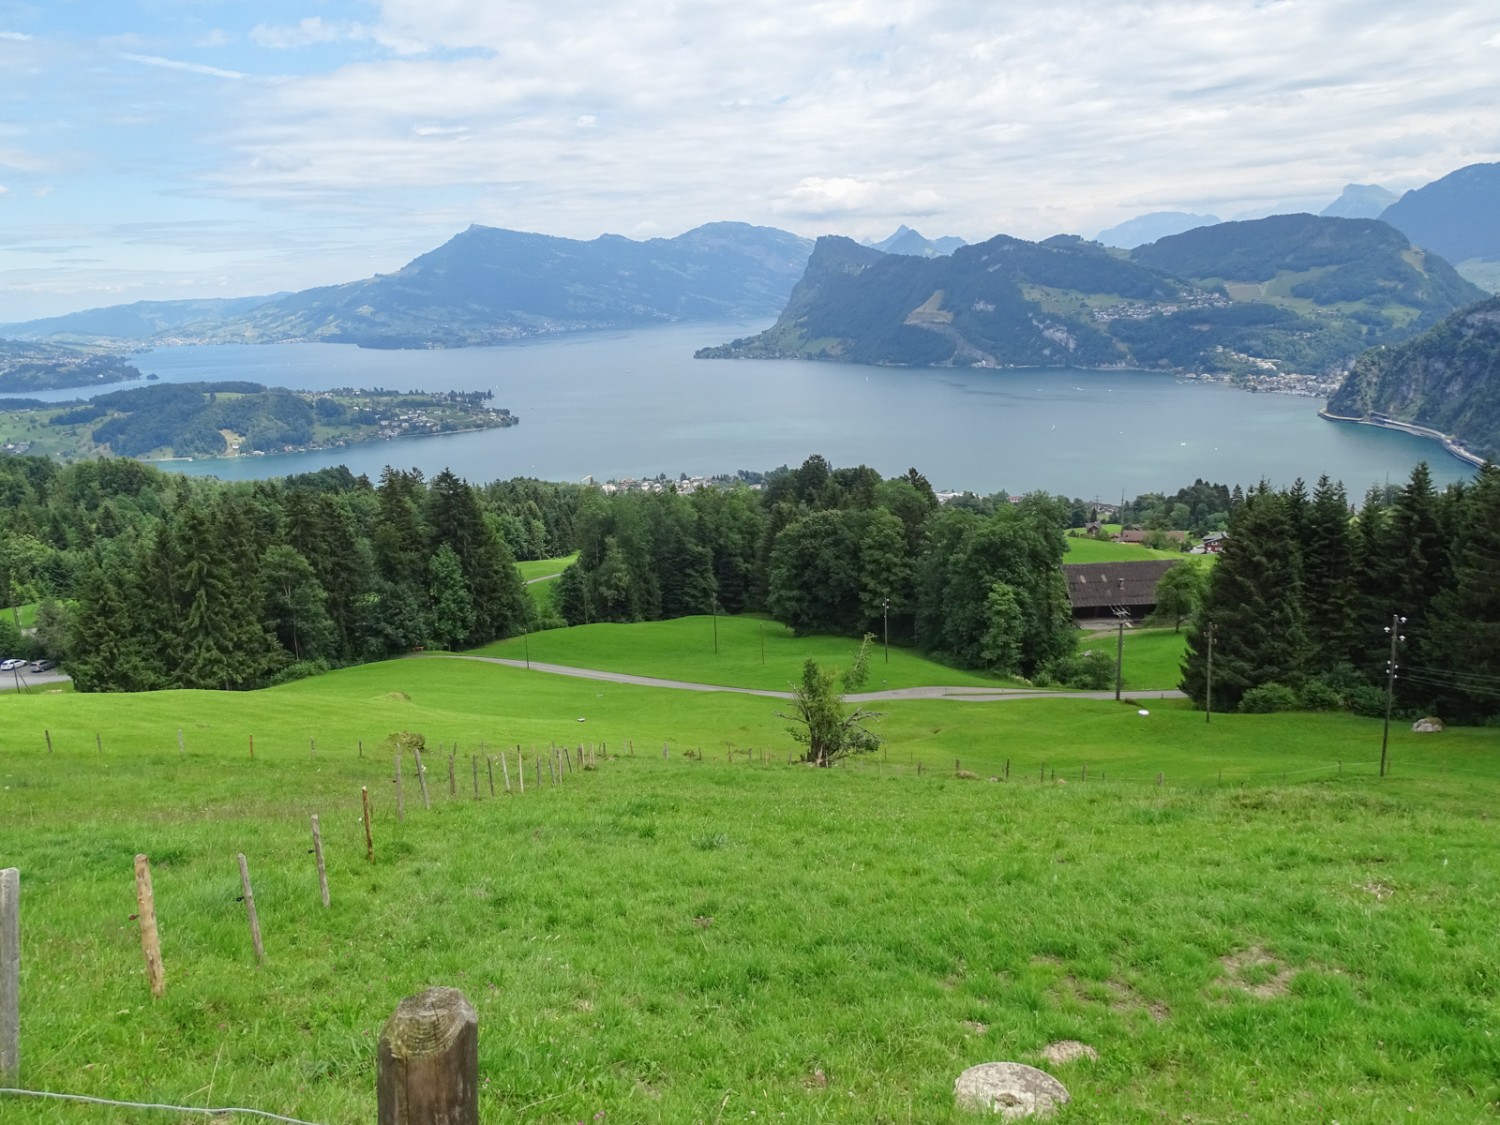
636, 404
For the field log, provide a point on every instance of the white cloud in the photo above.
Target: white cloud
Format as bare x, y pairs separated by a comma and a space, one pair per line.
185, 67
305, 33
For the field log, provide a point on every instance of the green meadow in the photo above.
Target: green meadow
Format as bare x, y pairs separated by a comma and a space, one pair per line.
1085, 550
1239, 916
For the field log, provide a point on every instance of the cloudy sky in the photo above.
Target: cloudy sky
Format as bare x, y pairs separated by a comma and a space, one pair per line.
188, 148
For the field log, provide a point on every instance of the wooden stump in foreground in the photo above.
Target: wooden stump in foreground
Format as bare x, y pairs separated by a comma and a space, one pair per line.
429, 1062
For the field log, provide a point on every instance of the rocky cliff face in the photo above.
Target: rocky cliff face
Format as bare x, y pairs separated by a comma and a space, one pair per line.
1447, 379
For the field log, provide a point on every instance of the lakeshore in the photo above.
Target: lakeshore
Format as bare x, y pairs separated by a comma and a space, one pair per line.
1450, 444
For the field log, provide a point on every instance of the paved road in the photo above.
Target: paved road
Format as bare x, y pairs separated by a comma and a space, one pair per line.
33, 681
965, 694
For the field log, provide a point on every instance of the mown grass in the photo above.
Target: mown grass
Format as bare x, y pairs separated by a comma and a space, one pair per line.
752, 652
543, 568
1084, 550
674, 940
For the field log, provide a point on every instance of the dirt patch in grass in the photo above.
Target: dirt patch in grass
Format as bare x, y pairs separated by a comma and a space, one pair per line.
398, 696
1068, 1050
1256, 973
1117, 995
974, 1027
1381, 891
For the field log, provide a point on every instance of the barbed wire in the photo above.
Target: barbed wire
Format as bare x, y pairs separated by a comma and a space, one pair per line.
153, 1105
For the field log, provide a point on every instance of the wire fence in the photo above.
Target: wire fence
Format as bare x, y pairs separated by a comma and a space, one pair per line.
211, 1112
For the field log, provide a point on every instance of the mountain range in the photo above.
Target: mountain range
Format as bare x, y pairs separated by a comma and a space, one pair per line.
908, 241
485, 286
1289, 294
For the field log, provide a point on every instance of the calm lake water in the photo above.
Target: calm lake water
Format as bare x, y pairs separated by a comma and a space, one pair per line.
636, 403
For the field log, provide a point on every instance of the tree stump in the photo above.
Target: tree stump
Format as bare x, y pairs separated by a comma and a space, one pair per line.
429, 1062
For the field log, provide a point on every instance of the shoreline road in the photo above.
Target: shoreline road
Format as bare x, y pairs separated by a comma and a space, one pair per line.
961, 694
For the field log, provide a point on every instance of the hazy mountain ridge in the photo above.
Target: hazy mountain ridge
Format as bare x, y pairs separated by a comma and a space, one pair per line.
487, 285
142, 320
1448, 379
908, 241
1457, 216
1150, 227
1323, 290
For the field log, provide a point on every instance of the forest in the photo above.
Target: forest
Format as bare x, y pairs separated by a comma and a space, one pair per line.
150, 580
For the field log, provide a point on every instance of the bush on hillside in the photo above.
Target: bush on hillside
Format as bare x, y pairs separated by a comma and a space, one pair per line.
1269, 698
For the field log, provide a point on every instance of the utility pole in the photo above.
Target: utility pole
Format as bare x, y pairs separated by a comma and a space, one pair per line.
713, 605
885, 610
1394, 631
1208, 694
1123, 616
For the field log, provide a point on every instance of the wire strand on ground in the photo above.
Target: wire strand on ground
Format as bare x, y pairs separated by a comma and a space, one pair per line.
153, 1105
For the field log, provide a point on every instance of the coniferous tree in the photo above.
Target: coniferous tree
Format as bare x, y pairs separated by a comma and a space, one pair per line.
1254, 602
1329, 592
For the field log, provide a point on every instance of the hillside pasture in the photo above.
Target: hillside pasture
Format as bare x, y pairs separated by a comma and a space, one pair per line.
1271, 933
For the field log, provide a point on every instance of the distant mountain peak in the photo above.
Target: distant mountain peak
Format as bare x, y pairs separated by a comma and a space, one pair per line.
907, 240
1359, 201
1149, 227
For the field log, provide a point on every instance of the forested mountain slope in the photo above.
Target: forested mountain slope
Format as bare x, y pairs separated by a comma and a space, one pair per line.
1295, 293
1447, 379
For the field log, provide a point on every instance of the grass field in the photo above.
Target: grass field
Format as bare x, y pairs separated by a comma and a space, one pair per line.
1273, 934
1081, 550
544, 568
755, 652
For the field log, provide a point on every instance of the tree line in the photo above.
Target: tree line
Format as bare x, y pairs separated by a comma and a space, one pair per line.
151, 580
1300, 601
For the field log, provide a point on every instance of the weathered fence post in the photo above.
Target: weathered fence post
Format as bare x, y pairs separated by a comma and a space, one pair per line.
252, 745
474, 768
421, 777
98, 742
10, 972
505, 771
364, 795
145, 905
318, 852
260, 950
452, 781
48, 733
400, 796
428, 1062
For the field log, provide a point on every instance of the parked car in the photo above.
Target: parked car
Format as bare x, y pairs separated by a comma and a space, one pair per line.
11, 665
43, 665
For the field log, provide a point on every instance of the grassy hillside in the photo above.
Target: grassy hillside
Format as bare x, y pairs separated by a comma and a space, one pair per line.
677, 940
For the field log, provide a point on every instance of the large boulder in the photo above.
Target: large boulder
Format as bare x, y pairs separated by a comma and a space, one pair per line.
1430, 725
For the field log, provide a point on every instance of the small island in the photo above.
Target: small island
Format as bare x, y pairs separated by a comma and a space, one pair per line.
195, 421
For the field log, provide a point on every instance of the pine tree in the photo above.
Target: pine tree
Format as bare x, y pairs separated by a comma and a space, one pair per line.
1328, 580
1254, 602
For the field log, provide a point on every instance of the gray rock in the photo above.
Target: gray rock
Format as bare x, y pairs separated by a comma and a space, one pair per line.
1430, 725
1011, 1090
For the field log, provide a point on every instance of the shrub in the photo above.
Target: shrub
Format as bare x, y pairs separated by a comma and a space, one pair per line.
1318, 696
1268, 698
1366, 700
1093, 670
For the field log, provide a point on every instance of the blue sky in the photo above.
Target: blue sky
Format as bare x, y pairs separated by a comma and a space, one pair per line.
194, 148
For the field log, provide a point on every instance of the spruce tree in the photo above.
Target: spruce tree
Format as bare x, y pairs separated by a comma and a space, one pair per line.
1254, 601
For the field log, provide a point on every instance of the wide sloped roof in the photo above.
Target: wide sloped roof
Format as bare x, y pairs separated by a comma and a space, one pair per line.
1092, 585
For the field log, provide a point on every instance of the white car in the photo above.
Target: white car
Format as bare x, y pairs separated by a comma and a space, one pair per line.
10, 665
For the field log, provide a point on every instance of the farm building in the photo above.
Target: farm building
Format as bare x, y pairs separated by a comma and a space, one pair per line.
1098, 589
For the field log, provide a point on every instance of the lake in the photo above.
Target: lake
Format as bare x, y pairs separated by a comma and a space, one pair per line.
636, 403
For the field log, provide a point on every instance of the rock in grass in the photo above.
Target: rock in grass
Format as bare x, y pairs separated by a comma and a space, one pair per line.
1430, 725
1011, 1090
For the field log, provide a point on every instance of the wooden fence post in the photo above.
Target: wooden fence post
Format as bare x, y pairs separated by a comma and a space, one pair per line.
98, 742
364, 794
422, 778
428, 1062
260, 950
145, 905
400, 796
48, 733
474, 764
318, 852
452, 782
10, 972
489, 764
505, 771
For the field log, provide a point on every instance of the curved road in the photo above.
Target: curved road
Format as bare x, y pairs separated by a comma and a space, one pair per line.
965, 694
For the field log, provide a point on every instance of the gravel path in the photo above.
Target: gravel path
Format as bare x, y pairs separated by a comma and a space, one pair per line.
965, 694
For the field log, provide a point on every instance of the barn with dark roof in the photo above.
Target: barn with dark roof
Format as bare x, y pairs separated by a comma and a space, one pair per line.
1098, 589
